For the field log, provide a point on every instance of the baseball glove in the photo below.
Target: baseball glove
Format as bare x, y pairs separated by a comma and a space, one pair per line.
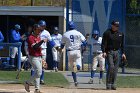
123, 62
44, 64
58, 48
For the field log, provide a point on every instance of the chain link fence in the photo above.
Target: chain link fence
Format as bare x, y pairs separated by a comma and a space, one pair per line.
132, 35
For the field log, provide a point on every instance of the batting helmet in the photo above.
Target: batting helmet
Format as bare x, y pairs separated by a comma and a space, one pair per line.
95, 32
17, 27
71, 25
42, 23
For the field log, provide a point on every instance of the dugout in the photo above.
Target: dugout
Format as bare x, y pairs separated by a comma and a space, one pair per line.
26, 16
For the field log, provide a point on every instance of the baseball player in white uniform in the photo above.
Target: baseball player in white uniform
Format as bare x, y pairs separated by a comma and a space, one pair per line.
97, 55
72, 40
55, 51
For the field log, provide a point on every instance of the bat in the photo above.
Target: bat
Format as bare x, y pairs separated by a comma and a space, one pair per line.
18, 73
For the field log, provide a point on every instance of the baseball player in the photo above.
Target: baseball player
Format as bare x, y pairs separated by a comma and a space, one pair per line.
15, 38
97, 56
1, 39
34, 47
55, 51
44, 34
72, 39
27, 34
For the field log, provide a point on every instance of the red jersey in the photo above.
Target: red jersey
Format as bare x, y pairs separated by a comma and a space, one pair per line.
32, 40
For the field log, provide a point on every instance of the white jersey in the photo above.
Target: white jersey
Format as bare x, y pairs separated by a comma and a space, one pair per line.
96, 45
45, 34
57, 39
72, 39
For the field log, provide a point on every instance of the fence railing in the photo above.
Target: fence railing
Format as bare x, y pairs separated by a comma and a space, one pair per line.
18, 45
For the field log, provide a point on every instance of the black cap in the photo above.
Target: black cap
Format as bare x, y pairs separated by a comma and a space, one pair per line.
115, 23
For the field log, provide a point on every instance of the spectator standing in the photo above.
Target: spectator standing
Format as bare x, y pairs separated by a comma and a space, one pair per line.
15, 37
1, 39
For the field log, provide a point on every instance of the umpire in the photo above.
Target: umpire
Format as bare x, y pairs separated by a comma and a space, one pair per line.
112, 44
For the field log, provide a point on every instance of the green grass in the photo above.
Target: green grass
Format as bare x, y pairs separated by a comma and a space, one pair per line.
128, 81
51, 78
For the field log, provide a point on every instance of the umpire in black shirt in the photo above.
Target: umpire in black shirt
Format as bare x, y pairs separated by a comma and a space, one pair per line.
112, 44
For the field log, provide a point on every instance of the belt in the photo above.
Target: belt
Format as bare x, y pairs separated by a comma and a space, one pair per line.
96, 53
113, 49
43, 48
72, 50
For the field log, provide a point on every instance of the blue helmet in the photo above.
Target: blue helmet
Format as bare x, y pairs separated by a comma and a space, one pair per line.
17, 27
95, 32
42, 23
71, 25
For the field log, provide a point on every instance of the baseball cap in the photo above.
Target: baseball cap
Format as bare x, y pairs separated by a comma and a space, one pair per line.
17, 27
42, 23
71, 25
95, 32
55, 29
36, 26
115, 23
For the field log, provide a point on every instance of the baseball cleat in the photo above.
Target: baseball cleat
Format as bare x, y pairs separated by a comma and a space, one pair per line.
100, 81
76, 84
108, 88
42, 82
113, 87
90, 81
56, 69
37, 91
27, 86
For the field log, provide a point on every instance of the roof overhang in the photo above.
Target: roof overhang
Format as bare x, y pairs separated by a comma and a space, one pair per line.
32, 10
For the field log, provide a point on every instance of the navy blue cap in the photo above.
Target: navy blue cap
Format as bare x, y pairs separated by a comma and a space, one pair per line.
115, 22
17, 27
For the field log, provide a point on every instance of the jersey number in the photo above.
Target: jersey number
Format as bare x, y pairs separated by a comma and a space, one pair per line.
72, 38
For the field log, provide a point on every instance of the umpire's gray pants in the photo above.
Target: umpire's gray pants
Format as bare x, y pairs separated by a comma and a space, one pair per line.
113, 63
36, 63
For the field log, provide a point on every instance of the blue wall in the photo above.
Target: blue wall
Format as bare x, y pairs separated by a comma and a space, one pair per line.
96, 14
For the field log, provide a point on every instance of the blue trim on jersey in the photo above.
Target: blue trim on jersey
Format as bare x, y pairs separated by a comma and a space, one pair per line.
52, 43
84, 43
